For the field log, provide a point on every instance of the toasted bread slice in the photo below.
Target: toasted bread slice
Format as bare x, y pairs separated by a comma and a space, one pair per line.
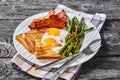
49, 54
21, 40
27, 39
44, 52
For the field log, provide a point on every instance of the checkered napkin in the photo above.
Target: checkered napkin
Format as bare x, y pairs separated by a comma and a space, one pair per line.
70, 73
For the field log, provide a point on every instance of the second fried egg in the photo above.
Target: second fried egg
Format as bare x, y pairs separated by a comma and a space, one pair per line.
54, 38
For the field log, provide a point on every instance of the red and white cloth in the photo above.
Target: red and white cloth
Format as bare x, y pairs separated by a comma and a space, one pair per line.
70, 73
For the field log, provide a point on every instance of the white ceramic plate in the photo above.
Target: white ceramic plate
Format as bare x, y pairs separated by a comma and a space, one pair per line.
23, 27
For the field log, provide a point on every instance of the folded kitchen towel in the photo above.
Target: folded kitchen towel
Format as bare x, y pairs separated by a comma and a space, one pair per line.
70, 73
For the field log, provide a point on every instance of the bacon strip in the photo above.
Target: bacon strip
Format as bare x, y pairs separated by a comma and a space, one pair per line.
50, 20
51, 12
61, 15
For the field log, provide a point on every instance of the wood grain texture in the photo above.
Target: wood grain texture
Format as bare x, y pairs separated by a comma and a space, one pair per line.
105, 68
105, 65
12, 9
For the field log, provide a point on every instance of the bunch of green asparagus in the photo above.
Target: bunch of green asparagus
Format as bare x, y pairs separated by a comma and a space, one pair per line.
75, 36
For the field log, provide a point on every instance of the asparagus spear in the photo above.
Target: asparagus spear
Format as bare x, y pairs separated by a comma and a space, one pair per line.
89, 29
77, 42
70, 54
68, 22
78, 45
70, 47
81, 21
76, 24
67, 43
70, 25
64, 53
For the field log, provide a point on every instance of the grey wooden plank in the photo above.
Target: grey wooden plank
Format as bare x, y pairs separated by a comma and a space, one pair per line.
7, 24
112, 39
96, 68
111, 24
10, 9
6, 46
110, 42
100, 68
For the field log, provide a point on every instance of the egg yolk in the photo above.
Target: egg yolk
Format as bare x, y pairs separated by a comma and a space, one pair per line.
49, 41
53, 31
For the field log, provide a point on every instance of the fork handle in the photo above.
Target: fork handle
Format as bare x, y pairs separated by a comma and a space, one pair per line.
55, 76
57, 73
61, 69
50, 64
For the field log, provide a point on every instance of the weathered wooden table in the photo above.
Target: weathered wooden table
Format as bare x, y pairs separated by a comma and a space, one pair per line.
105, 65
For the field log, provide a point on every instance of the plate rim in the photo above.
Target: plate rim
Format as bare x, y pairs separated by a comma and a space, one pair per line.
30, 19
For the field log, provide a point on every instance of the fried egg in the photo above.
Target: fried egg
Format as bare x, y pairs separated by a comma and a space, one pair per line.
54, 36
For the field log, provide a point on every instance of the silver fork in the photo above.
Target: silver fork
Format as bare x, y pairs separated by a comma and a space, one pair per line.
85, 51
68, 58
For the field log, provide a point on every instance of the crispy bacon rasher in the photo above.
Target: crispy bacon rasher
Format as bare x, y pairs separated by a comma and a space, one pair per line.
50, 20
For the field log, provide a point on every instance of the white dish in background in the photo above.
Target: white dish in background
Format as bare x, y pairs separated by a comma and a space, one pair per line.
23, 27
